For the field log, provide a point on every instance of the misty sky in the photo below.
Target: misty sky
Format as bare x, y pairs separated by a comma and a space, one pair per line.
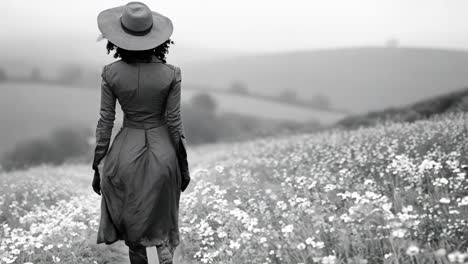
262, 25
56, 31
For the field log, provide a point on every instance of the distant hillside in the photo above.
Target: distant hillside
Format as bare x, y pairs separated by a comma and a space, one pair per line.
353, 79
266, 108
29, 110
451, 102
356, 79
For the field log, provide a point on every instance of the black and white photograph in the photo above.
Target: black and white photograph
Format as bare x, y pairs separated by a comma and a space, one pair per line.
234, 132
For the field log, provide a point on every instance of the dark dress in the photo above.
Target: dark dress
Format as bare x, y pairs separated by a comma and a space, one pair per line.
145, 169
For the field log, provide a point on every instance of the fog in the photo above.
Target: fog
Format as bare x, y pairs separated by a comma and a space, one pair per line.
210, 27
296, 59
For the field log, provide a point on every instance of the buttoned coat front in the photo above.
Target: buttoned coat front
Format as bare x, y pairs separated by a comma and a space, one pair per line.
145, 169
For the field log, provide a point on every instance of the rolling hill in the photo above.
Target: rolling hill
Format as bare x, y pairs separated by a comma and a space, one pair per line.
355, 79
448, 103
34, 110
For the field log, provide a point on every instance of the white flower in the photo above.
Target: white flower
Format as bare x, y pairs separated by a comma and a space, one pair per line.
329, 187
464, 201
457, 256
412, 250
346, 218
444, 200
9, 260
282, 205
399, 233
441, 182
219, 168
234, 244
246, 235
368, 182
387, 206
407, 209
287, 229
48, 247
301, 246
319, 245
329, 260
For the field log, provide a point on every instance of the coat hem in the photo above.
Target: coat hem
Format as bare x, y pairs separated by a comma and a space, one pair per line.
107, 242
153, 243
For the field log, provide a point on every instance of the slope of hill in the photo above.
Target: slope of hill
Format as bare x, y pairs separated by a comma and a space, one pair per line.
394, 192
32, 110
451, 102
355, 79
269, 109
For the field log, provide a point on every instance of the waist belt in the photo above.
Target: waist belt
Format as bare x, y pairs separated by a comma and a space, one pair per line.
143, 124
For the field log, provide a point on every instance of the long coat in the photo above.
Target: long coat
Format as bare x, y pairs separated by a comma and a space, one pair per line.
145, 169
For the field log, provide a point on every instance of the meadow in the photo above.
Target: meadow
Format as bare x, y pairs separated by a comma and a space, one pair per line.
393, 193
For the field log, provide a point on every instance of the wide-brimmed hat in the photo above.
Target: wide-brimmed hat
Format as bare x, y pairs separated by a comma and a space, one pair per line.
134, 26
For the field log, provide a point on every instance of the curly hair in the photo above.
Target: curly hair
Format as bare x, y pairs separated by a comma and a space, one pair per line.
131, 55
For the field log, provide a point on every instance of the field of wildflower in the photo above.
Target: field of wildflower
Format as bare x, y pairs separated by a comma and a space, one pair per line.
394, 193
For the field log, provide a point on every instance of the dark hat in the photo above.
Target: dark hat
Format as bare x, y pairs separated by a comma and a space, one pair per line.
134, 26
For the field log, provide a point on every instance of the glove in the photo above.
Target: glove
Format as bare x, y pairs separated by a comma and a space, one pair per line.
97, 182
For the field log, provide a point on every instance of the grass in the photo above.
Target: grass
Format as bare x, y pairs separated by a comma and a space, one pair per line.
393, 193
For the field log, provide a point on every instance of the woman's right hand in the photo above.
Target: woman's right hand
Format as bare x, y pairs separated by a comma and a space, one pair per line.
97, 182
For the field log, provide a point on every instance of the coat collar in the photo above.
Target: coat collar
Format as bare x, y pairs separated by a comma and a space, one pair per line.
153, 59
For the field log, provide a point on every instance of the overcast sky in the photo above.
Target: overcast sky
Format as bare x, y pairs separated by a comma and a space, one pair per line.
50, 29
263, 25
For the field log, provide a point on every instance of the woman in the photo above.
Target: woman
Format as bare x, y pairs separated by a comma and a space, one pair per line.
146, 167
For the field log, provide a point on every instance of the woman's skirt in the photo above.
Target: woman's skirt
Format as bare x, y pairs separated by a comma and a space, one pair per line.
140, 189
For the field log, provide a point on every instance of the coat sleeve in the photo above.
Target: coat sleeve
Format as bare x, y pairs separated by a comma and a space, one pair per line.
176, 126
105, 122
174, 118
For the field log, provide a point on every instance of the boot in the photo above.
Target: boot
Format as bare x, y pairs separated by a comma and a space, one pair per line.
137, 255
165, 256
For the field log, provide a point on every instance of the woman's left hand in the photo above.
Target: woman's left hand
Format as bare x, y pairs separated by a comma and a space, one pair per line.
97, 182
